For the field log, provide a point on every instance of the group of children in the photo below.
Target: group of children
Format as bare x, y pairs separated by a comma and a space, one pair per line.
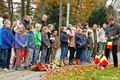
30, 41
44, 39
76, 40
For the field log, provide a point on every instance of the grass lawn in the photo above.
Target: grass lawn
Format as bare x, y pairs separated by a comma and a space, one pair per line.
84, 72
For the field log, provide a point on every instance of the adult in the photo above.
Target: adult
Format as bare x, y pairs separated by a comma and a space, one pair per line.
26, 21
5, 16
43, 21
113, 34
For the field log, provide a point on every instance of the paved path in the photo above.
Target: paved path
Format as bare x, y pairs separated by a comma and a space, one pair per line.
20, 75
31, 75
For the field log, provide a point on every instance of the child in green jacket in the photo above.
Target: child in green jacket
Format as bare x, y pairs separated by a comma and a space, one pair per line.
38, 41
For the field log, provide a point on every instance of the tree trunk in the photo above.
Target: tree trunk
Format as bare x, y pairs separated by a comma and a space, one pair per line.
60, 14
22, 8
42, 7
10, 10
28, 7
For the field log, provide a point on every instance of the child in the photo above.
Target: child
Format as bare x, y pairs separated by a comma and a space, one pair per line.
85, 48
54, 45
30, 46
79, 46
49, 51
7, 44
64, 43
20, 44
90, 47
72, 46
38, 41
45, 45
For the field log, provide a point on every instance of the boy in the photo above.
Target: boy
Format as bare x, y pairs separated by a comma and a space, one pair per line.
7, 44
38, 41
79, 46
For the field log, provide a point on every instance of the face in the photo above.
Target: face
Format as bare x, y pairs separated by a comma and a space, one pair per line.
8, 24
27, 18
65, 29
39, 28
94, 27
84, 33
55, 33
44, 18
21, 29
32, 28
46, 31
111, 22
80, 31
51, 28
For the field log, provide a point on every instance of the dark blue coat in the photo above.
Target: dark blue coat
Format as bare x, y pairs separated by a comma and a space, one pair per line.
7, 38
64, 39
80, 42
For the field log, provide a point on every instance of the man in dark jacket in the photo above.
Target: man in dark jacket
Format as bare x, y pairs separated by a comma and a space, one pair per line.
26, 21
113, 34
43, 21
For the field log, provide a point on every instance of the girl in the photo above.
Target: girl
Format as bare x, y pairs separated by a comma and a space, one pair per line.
54, 45
64, 43
30, 46
20, 44
49, 51
45, 44
72, 47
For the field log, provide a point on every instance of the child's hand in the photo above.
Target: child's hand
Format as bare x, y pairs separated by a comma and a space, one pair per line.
48, 46
23, 46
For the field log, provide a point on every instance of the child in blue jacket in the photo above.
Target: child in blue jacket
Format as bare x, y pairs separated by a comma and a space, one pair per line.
30, 46
80, 43
64, 44
20, 44
7, 44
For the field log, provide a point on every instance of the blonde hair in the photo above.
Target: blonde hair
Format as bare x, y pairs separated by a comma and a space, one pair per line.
24, 31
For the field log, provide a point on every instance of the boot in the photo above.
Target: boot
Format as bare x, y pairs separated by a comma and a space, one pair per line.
77, 61
71, 62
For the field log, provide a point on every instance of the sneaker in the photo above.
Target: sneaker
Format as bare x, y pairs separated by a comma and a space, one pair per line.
5, 69
18, 68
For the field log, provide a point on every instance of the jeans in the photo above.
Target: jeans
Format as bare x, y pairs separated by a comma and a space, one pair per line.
88, 55
80, 55
1, 57
64, 51
43, 55
29, 57
5, 57
35, 56
114, 54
